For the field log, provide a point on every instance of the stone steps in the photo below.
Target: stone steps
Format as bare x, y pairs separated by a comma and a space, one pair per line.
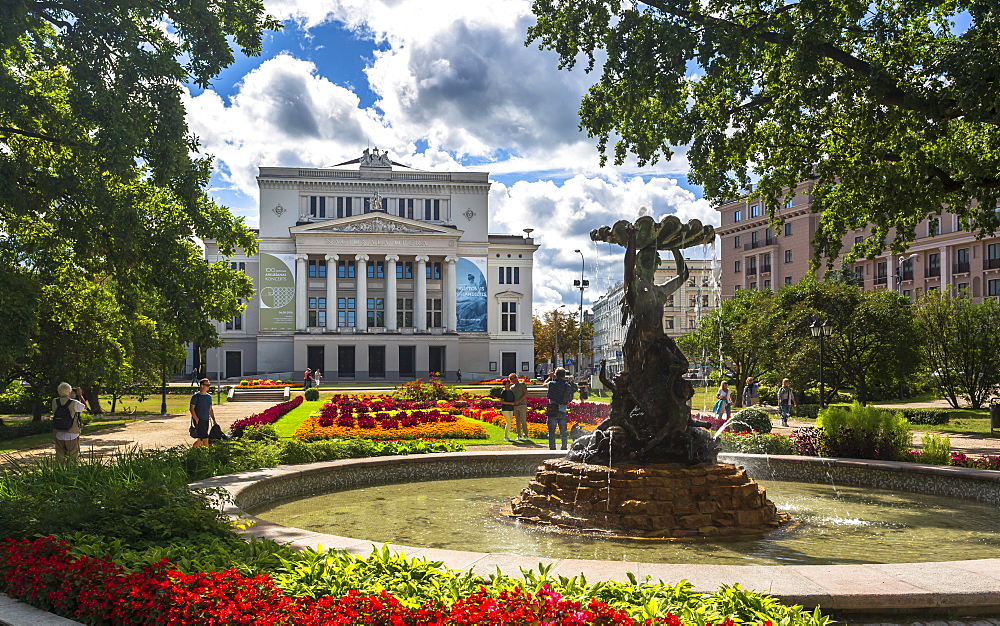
249, 395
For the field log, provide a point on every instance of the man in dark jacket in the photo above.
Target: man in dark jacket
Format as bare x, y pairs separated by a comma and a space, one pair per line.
560, 392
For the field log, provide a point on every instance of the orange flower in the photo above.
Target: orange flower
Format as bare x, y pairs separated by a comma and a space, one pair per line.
459, 429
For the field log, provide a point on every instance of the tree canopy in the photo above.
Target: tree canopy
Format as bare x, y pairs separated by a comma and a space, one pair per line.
102, 190
889, 106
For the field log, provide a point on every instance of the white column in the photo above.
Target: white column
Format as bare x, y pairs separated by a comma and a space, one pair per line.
361, 273
450, 289
946, 262
331, 290
390, 291
420, 297
301, 280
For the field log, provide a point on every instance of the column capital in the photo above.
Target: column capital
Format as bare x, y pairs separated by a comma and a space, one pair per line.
392, 257
451, 259
332, 257
301, 257
422, 258
361, 257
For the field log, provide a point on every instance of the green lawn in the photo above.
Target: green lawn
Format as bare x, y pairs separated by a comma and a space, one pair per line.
286, 425
130, 405
41, 439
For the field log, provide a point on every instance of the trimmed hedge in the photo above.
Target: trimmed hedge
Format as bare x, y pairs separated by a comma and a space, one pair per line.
927, 417
753, 416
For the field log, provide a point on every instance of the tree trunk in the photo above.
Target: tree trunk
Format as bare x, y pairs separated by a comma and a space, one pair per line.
93, 400
36, 410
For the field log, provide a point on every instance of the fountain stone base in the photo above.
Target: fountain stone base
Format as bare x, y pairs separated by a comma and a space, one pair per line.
660, 501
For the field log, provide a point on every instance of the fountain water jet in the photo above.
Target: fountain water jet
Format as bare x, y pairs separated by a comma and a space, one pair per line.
655, 470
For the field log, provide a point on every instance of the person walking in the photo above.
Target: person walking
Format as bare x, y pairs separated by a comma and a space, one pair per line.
66, 422
751, 393
507, 407
725, 401
786, 400
520, 390
306, 378
317, 378
458, 376
559, 394
202, 412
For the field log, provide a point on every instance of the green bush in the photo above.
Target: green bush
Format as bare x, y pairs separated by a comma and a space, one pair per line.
864, 432
807, 411
15, 429
755, 417
262, 432
14, 400
757, 443
927, 417
312, 394
935, 449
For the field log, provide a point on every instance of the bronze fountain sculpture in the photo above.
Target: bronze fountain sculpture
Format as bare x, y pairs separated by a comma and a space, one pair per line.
649, 470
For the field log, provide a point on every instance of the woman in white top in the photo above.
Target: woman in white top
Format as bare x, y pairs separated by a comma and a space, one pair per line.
725, 400
317, 377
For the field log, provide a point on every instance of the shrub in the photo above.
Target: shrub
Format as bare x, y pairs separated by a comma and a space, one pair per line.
809, 441
864, 432
757, 443
808, 411
312, 394
935, 449
15, 429
928, 417
263, 432
754, 417
14, 400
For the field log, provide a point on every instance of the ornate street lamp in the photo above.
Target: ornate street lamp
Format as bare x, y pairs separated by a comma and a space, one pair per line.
821, 332
582, 284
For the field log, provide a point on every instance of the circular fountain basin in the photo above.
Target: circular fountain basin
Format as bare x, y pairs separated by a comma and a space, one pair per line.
957, 586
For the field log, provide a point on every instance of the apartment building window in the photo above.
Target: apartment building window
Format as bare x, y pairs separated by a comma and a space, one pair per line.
317, 269
738, 216
992, 260
376, 269
694, 301
751, 266
859, 240
317, 206
907, 270
788, 256
704, 299
317, 312
754, 210
432, 210
788, 229
767, 284
404, 270
962, 289
345, 207
766, 263
736, 266
433, 270
908, 293
376, 312
434, 313
993, 287
510, 275
508, 316
789, 202
404, 312
670, 298
754, 239
668, 322
962, 261
235, 323
859, 276
753, 285
737, 287
788, 280
881, 273
933, 227
933, 265
346, 312
346, 269
736, 241
238, 266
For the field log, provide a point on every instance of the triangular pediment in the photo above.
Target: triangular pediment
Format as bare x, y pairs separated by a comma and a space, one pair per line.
374, 223
510, 294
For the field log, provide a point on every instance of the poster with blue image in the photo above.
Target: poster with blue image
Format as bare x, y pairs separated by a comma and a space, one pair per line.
470, 299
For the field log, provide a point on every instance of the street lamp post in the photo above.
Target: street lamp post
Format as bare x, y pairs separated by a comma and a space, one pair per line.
899, 271
582, 284
821, 332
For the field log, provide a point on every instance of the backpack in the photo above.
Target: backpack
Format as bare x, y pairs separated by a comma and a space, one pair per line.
62, 418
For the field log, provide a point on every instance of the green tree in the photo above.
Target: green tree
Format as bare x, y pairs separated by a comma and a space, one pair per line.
961, 345
99, 190
544, 327
741, 328
889, 106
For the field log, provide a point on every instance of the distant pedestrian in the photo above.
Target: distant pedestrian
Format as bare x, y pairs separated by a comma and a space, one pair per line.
306, 378
786, 400
560, 393
202, 412
507, 408
751, 393
725, 401
317, 378
520, 390
194, 377
66, 422
458, 376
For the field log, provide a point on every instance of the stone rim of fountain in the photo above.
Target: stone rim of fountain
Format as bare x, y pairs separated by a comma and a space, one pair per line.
967, 586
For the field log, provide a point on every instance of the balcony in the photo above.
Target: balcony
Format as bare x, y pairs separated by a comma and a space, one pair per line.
766, 269
751, 271
907, 274
768, 241
931, 272
880, 280
960, 268
991, 264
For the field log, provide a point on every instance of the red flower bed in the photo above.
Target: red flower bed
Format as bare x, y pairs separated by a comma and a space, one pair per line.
269, 416
44, 573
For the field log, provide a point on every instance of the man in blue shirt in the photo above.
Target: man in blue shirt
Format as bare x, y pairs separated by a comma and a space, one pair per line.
560, 393
201, 412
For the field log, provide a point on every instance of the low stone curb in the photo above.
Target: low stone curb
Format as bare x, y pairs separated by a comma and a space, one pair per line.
14, 613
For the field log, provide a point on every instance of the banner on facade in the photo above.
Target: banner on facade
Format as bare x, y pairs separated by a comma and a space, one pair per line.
470, 299
277, 291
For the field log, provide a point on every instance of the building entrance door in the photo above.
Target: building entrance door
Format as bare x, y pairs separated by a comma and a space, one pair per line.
435, 359
345, 361
315, 358
376, 361
407, 361
234, 364
508, 363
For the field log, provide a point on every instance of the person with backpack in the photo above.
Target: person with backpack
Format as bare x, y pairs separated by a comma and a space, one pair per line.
559, 393
786, 400
201, 412
67, 423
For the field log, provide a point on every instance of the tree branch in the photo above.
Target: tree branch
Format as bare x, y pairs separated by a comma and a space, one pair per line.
10, 130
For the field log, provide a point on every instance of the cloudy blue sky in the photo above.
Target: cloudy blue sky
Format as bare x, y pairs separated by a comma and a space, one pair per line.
447, 85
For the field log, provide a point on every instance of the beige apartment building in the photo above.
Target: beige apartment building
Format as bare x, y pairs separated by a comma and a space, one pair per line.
754, 256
